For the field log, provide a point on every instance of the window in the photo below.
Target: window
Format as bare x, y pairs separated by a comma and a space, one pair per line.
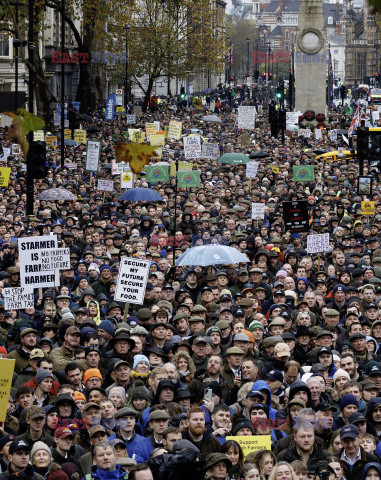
330, 20
287, 35
4, 45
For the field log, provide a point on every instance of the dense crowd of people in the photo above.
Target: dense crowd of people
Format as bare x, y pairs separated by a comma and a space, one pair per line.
283, 346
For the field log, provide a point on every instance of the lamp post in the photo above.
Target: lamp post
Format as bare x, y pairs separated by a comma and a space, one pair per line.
230, 59
62, 85
29, 166
248, 57
16, 44
126, 90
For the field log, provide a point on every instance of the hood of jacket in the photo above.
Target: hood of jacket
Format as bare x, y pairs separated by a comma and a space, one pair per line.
377, 466
296, 387
372, 405
262, 385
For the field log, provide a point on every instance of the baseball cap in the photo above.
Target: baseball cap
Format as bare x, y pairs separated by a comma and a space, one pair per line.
18, 445
63, 432
349, 431
275, 375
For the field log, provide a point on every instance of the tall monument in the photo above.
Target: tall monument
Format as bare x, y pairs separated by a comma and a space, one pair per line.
310, 61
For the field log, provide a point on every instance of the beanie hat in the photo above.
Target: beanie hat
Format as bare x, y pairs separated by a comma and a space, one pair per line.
348, 399
40, 446
118, 391
69, 468
341, 373
242, 423
3, 350
92, 372
139, 392
107, 326
41, 375
138, 359
58, 475
79, 396
255, 324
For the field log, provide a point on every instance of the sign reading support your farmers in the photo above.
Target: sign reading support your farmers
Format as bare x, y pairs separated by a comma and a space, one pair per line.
132, 280
18, 298
192, 147
32, 271
257, 211
246, 117
318, 243
252, 443
4, 176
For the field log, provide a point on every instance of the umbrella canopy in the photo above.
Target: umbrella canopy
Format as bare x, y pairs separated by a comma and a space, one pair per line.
211, 118
53, 194
86, 117
71, 143
141, 195
92, 128
261, 154
205, 255
234, 159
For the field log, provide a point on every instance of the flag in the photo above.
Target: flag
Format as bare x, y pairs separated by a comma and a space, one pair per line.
354, 123
157, 173
304, 173
110, 107
189, 179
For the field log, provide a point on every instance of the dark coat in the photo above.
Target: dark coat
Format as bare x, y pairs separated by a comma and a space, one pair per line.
358, 467
318, 455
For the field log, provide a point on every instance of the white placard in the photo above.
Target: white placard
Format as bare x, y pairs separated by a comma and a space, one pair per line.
16, 150
251, 170
246, 118
55, 259
304, 132
93, 152
318, 243
257, 211
292, 118
376, 116
57, 120
210, 150
192, 147
333, 135
18, 298
132, 280
131, 119
32, 273
118, 167
105, 185
5, 155
127, 179
318, 135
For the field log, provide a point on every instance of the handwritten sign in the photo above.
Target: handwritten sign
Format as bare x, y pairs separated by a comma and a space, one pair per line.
93, 152
318, 243
80, 136
257, 211
105, 185
246, 118
39, 136
304, 132
210, 150
151, 129
252, 169
131, 119
174, 130
192, 147
295, 216
18, 298
6, 376
5, 173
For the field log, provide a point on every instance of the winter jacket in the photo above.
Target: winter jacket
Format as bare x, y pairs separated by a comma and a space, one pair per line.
317, 455
356, 472
143, 449
99, 474
209, 444
21, 357
175, 466
262, 385
130, 444
28, 473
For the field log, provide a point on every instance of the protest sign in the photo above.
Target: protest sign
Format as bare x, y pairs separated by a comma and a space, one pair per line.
157, 173
51, 141
131, 119
55, 259
182, 167
93, 153
127, 179
132, 280
246, 118
18, 298
174, 130
105, 185
340, 152
252, 443
39, 136
118, 167
5, 155
295, 216
16, 150
318, 243
304, 173
7, 367
67, 133
333, 135
367, 208
192, 147
157, 139
318, 134
292, 118
136, 135
4, 176
257, 211
365, 185
151, 129
32, 272
252, 169
188, 179
80, 136
303, 132
210, 150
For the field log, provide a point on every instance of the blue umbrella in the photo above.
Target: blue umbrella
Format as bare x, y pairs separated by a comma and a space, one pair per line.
205, 255
141, 195
70, 143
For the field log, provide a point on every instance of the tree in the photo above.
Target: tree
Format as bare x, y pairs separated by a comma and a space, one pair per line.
239, 30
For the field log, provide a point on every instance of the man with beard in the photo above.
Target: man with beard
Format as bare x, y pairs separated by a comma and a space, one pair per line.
304, 448
198, 435
158, 421
28, 340
213, 374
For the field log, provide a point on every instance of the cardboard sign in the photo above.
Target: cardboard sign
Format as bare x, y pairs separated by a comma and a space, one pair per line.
252, 169
32, 272
6, 376
210, 150
5, 173
131, 119
67, 133
93, 153
292, 118
39, 135
303, 132
295, 216
318, 243
367, 208
16, 150
174, 130
55, 259
105, 185
80, 136
127, 179
192, 147
333, 135
18, 298
132, 280
246, 118
157, 139
151, 129
6, 153
257, 211
252, 443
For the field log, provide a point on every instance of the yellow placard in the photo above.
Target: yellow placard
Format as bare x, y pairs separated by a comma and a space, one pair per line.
157, 139
120, 109
275, 169
80, 136
158, 155
136, 135
183, 167
127, 176
39, 136
67, 133
6, 375
4, 176
151, 129
252, 443
51, 141
174, 130
367, 208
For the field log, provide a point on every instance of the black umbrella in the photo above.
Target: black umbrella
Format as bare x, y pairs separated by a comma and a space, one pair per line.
92, 128
86, 117
261, 154
320, 151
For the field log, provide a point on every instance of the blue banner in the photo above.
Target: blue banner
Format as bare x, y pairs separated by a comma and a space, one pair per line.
110, 107
59, 110
76, 106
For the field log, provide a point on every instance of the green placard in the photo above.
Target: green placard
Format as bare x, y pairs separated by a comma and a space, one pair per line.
305, 173
159, 173
189, 179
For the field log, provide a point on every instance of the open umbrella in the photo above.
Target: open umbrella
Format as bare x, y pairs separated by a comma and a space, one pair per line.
86, 117
70, 143
205, 255
234, 159
53, 194
92, 128
261, 154
211, 118
141, 195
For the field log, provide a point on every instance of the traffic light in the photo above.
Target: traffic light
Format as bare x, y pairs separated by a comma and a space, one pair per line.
37, 159
362, 146
182, 93
279, 92
282, 119
74, 122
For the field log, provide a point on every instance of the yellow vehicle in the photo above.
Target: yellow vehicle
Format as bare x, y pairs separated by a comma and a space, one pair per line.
375, 95
334, 155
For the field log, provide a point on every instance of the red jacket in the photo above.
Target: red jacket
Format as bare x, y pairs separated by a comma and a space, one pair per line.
32, 385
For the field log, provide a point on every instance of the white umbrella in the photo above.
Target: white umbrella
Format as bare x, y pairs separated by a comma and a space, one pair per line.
205, 255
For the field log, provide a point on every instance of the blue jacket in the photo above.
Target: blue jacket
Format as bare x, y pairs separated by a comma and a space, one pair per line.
99, 474
262, 385
143, 450
131, 444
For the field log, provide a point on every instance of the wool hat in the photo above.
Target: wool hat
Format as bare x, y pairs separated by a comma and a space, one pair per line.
348, 399
79, 396
341, 373
138, 359
139, 392
92, 372
118, 391
107, 326
42, 374
242, 423
40, 446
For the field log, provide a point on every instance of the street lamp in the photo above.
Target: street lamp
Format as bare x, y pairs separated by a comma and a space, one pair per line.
126, 90
248, 57
230, 59
16, 44
62, 85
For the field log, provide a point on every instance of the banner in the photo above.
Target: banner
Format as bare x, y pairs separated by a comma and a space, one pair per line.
367, 208
93, 153
252, 443
189, 179
157, 173
5, 173
174, 130
105, 185
252, 169
127, 179
257, 211
131, 119
110, 107
18, 298
132, 280
304, 173
192, 147
318, 243
39, 135
6, 376
295, 216
246, 118
210, 150
80, 136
